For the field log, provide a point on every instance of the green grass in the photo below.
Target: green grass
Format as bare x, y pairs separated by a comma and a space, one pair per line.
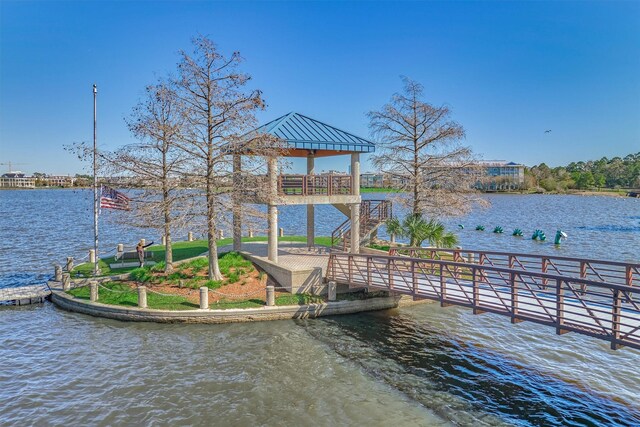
181, 251
379, 190
225, 305
125, 296
379, 247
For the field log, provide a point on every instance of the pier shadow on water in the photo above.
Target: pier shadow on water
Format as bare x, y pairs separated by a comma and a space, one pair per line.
465, 384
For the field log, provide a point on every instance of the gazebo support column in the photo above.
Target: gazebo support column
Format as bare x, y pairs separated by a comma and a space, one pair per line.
311, 224
355, 208
355, 228
237, 204
272, 210
355, 174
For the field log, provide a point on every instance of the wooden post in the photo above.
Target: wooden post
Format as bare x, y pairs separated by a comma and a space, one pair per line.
204, 298
560, 308
190, 237
615, 320
66, 282
271, 296
93, 291
57, 275
142, 296
69, 265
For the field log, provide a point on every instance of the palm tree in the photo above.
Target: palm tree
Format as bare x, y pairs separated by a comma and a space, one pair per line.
418, 230
394, 228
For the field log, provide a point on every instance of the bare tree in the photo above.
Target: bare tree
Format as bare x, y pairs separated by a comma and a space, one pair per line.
218, 115
154, 165
419, 146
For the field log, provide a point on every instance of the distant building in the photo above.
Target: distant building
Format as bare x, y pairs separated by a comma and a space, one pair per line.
17, 179
59, 181
498, 175
381, 180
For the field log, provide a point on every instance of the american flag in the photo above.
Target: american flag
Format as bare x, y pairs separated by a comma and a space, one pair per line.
112, 199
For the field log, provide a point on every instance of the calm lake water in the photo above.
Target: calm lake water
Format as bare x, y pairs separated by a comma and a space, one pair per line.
423, 365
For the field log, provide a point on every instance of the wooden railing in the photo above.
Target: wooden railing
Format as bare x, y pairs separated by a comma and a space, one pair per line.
596, 308
615, 272
314, 185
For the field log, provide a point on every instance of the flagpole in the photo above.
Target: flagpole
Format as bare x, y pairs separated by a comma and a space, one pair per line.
96, 269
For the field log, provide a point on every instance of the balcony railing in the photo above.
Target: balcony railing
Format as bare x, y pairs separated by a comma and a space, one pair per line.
314, 185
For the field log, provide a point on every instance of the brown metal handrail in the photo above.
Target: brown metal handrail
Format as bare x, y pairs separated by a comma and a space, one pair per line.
372, 214
603, 310
315, 185
584, 268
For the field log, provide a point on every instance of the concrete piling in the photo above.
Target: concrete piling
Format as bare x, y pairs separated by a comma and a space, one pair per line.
143, 241
120, 248
92, 256
220, 234
204, 298
332, 290
250, 233
57, 276
281, 232
66, 282
69, 265
142, 296
164, 240
93, 286
271, 296
190, 237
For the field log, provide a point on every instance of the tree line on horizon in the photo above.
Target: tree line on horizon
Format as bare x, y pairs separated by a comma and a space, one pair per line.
614, 173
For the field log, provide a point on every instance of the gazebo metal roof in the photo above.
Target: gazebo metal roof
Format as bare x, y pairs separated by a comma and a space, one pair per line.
303, 134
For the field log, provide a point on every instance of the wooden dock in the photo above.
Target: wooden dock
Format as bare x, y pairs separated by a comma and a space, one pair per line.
24, 295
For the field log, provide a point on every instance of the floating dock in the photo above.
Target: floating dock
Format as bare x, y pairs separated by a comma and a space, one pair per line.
24, 295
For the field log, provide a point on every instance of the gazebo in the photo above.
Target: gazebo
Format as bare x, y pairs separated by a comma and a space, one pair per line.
310, 138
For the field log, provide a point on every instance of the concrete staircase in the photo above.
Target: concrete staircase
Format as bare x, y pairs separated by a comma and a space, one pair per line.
373, 213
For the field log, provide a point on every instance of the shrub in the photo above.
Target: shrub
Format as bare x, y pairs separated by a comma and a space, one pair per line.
177, 275
233, 277
213, 284
142, 275
158, 267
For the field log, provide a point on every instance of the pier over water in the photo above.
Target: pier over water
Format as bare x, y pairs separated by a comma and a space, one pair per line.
590, 297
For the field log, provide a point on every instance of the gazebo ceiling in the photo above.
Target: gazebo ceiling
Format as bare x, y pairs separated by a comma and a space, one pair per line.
303, 134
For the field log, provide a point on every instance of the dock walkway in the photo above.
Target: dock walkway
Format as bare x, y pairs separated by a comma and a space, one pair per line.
23, 295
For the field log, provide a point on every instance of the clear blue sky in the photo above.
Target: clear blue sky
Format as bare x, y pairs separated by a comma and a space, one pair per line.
508, 70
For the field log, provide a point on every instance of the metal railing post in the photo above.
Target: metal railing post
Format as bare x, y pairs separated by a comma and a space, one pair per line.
560, 308
414, 279
514, 298
615, 320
